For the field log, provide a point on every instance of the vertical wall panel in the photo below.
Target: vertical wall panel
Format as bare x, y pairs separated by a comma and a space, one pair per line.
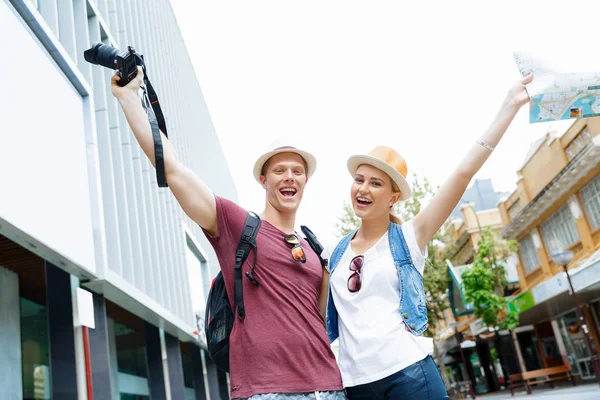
100, 355
166, 230
119, 181
109, 199
177, 85
155, 57
102, 8
66, 26
61, 333
156, 378
111, 18
142, 235
175, 367
82, 38
49, 11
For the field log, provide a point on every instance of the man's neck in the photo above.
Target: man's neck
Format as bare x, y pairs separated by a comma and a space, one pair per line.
282, 221
373, 229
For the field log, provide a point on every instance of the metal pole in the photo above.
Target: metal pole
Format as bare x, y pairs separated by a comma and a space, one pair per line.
88, 365
514, 346
462, 355
583, 324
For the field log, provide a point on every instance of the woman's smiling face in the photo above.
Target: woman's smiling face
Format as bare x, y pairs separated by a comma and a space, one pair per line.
372, 193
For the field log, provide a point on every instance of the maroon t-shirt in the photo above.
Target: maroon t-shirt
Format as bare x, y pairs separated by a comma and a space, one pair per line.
282, 345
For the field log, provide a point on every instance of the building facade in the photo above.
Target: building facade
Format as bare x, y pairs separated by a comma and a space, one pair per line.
481, 195
103, 279
471, 353
556, 208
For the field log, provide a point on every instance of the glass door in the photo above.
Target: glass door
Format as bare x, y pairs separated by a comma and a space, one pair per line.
478, 374
575, 342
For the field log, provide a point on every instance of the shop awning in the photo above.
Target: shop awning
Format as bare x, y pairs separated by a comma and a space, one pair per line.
457, 303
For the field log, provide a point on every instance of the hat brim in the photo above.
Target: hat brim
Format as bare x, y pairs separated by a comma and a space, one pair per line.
309, 159
355, 161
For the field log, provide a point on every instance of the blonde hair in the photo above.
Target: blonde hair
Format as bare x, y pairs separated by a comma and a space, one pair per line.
393, 217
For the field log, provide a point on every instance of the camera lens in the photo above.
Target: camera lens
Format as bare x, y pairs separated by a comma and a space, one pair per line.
101, 54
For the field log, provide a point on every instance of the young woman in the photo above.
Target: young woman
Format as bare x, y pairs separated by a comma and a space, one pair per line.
376, 302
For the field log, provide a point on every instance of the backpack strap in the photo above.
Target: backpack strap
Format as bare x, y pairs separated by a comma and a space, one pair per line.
314, 243
247, 242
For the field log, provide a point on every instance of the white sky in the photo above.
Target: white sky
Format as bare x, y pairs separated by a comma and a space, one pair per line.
424, 77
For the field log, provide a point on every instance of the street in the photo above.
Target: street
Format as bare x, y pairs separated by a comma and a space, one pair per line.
579, 392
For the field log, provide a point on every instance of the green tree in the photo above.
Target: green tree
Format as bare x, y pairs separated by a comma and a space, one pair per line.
347, 222
484, 282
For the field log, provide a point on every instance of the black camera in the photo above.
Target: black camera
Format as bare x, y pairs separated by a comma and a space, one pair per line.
124, 61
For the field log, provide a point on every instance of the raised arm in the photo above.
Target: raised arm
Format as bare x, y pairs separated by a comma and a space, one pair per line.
431, 218
194, 197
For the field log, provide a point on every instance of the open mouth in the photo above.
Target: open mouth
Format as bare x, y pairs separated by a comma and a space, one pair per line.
363, 201
288, 192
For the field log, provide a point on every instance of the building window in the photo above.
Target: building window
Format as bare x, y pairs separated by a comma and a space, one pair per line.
559, 231
187, 363
528, 253
198, 276
35, 350
579, 143
131, 351
198, 279
129, 396
591, 201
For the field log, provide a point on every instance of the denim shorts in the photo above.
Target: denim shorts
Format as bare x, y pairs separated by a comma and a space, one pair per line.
419, 381
333, 395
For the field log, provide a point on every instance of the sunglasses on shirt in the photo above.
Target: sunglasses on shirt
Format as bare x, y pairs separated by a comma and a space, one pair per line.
297, 250
355, 281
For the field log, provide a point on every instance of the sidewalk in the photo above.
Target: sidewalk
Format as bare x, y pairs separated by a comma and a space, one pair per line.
588, 391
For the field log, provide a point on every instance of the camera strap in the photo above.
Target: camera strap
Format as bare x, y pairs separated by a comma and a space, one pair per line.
157, 123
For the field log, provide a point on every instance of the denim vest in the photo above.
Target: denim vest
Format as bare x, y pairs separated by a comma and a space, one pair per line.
412, 295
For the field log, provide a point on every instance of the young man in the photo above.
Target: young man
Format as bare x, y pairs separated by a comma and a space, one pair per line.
280, 350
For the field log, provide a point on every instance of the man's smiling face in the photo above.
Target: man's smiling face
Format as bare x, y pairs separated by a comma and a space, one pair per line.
284, 178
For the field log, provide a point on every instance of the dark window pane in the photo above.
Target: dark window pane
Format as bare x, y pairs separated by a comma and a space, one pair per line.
131, 352
34, 348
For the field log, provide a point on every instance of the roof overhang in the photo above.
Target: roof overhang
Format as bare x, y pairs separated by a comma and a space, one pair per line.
563, 182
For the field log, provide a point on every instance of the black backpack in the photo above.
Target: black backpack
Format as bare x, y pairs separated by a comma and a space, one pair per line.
219, 317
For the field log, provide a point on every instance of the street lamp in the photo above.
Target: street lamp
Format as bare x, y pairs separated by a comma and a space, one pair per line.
462, 355
563, 259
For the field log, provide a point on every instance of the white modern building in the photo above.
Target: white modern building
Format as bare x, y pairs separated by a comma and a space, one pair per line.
87, 239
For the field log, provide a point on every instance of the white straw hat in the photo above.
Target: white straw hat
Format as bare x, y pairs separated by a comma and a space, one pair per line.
284, 146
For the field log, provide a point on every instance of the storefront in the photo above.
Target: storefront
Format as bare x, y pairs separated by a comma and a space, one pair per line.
550, 307
578, 352
478, 372
483, 362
